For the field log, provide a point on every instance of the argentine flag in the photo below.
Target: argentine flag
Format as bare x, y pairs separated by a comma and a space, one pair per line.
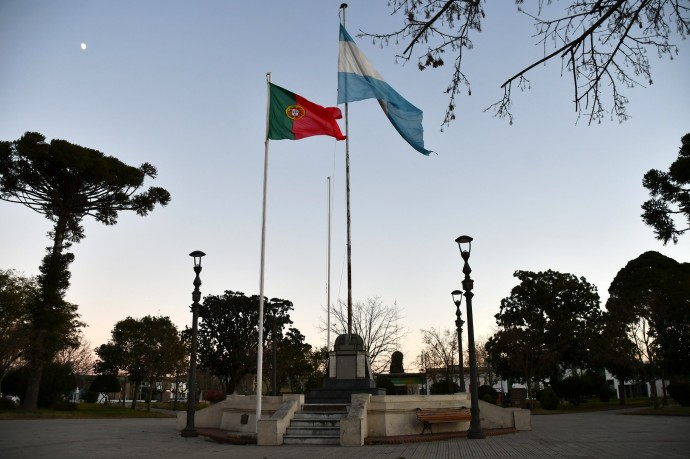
359, 80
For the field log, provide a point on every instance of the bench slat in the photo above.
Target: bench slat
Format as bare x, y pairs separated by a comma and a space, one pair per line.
433, 415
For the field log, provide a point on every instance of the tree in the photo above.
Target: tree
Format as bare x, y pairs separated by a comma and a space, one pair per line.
670, 193
146, 349
440, 351
228, 334
297, 364
602, 44
104, 384
16, 295
488, 376
650, 299
377, 324
66, 182
549, 322
80, 357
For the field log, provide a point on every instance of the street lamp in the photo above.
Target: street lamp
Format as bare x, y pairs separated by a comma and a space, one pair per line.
465, 245
190, 430
458, 324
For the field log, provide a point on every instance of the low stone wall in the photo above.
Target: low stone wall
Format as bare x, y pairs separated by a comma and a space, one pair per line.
369, 416
272, 430
391, 415
227, 415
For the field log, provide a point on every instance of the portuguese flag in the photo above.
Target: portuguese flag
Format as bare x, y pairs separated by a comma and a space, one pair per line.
291, 116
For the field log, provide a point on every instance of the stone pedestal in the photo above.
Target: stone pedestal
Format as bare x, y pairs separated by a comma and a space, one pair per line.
348, 373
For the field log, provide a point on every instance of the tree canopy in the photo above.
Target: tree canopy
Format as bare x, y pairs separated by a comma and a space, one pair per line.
66, 182
602, 44
650, 297
228, 333
668, 212
145, 349
17, 293
549, 322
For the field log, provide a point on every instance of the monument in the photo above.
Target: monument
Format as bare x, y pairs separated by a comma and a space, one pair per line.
348, 373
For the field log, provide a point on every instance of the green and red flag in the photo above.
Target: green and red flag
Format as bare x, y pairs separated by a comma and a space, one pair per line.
291, 116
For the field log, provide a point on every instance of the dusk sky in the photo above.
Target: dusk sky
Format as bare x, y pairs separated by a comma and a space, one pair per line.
182, 85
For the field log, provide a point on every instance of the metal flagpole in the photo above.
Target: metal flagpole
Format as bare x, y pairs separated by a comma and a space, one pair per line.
328, 284
260, 346
349, 238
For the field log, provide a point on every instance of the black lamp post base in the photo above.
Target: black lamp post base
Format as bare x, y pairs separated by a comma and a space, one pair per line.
187, 432
475, 434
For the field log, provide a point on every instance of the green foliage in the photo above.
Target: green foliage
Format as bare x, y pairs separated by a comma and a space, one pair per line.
550, 320
58, 381
680, 392
384, 382
7, 404
106, 383
670, 193
397, 362
66, 182
91, 396
649, 301
228, 337
17, 293
144, 348
443, 386
487, 393
548, 399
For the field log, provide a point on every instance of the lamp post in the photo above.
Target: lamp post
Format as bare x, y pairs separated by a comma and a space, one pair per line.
190, 430
475, 430
458, 324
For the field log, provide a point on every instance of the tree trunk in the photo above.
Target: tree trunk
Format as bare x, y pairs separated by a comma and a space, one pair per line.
655, 394
33, 385
621, 391
134, 396
37, 356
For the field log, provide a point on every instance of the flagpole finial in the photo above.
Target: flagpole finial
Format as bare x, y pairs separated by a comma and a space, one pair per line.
343, 6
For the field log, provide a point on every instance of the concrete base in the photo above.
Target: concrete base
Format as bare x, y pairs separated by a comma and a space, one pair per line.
348, 373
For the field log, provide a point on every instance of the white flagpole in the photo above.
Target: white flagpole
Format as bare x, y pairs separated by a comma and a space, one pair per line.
260, 346
328, 283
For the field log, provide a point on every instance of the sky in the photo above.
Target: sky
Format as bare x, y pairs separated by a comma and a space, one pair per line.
182, 85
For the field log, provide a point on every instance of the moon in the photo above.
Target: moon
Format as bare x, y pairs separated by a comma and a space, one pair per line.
83, 46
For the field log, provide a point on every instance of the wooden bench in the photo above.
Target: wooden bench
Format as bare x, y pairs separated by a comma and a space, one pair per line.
434, 415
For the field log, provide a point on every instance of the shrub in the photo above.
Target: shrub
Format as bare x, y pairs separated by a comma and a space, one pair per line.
90, 396
549, 399
214, 396
384, 382
680, 392
7, 404
488, 394
442, 387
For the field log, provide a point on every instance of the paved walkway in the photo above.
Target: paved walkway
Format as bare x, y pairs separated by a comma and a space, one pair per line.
587, 435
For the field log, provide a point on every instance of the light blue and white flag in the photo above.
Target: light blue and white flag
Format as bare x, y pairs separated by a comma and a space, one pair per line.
359, 80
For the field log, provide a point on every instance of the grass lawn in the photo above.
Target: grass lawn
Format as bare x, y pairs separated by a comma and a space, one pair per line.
595, 405
84, 410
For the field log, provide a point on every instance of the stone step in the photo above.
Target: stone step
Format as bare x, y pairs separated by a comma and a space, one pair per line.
311, 440
342, 407
309, 431
319, 416
315, 423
